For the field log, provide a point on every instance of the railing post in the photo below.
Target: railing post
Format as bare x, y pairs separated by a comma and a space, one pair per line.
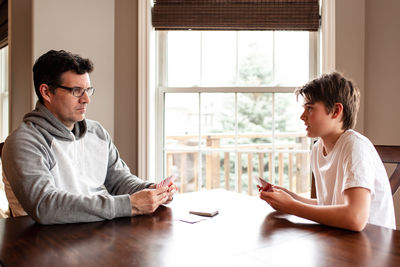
170, 163
195, 171
249, 173
280, 168
261, 165
290, 171
212, 164
183, 171
270, 168
239, 168
302, 164
226, 169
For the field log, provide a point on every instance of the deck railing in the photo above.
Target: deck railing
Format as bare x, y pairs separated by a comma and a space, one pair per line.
212, 163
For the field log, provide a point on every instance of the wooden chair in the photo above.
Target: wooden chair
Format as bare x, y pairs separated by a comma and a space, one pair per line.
388, 154
1, 150
391, 154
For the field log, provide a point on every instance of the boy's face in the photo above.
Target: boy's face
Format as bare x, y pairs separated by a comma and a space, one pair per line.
318, 121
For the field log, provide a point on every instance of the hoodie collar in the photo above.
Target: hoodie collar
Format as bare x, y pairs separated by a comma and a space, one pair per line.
42, 117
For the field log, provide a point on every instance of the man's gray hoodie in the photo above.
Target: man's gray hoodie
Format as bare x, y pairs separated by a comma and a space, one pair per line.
59, 176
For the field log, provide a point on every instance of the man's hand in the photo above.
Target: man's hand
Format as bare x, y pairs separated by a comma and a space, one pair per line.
148, 200
172, 188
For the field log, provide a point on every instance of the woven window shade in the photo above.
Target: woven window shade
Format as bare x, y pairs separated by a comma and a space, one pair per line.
236, 15
3, 23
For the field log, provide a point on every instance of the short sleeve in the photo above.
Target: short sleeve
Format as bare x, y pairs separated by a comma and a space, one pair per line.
358, 166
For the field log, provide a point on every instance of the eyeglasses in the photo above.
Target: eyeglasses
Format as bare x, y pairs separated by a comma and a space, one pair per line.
78, 91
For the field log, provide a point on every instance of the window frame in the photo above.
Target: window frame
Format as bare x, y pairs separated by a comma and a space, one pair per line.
148, 105
161, 89
4, 94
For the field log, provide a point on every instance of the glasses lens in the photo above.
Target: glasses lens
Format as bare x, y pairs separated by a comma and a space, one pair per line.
78, 92
90, 91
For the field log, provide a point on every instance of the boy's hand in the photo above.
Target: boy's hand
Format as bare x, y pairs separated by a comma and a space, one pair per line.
278, 199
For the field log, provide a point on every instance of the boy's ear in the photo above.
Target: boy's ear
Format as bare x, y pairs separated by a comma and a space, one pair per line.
337, 110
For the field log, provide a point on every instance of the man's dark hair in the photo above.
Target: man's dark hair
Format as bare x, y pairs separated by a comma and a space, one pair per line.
331, 89
49, 68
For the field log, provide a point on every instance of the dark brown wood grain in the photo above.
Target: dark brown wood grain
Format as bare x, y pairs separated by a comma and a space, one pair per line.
391, 155
246, 232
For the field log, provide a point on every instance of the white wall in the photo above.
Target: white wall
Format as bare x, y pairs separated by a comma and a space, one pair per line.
85, 28
349, 47
88, 28
382, 72
367, 49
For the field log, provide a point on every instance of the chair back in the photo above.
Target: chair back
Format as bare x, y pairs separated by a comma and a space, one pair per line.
388, 154
391, 154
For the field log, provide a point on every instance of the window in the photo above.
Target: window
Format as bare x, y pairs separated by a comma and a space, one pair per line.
3, 118
227, 111
3, 93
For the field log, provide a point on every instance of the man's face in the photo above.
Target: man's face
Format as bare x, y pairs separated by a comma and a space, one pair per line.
66, 107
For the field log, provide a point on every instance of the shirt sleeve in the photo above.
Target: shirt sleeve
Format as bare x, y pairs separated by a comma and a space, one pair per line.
119, 179
358, 166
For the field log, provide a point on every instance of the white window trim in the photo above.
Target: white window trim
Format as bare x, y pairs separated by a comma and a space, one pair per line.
328, 37
144, 90
149, 147
4, 95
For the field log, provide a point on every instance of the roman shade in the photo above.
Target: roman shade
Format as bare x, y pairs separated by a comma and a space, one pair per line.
302, 15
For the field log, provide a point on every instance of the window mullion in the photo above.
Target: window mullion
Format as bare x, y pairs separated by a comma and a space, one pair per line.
313, 55
273, 140
200, 165
237, 189
229, 89
161, 81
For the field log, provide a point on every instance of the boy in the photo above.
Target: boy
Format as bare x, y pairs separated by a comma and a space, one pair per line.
351, 182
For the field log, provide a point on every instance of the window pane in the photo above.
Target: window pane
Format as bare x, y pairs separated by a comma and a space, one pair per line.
254, 120
255, 57
291, 58
292, 170
183, 58
292, 165
289, 128
184, 165
219, 58
218, 119
181, 120
218, 170
241, 134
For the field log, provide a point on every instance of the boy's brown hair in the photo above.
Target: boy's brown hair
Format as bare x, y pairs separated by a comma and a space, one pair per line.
331, 89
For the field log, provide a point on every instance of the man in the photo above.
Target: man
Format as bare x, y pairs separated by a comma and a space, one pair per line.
59, 167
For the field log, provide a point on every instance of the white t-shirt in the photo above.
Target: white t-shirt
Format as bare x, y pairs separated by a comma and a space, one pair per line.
353, 162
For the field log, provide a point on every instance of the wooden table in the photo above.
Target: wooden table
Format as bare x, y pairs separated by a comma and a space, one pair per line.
246, 232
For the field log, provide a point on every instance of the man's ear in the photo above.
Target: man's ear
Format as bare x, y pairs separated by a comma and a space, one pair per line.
45, 92
337, 110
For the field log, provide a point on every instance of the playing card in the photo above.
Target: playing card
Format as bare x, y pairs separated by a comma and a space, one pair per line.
264, 185
166, 181
207, 212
